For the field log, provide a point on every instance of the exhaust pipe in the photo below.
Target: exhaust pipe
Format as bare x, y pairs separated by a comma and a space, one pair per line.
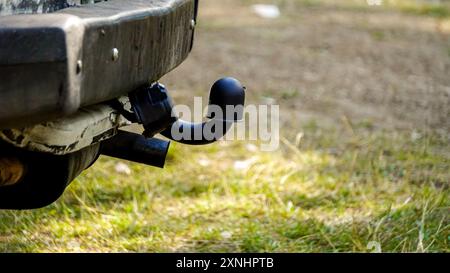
12, 170
136, 148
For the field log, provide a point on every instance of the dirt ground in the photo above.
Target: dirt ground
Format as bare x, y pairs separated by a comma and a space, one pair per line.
384, 68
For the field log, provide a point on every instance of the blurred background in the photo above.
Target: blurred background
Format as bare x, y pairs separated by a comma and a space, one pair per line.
364, 95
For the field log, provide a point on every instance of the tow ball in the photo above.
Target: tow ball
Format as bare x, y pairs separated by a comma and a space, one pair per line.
152, 107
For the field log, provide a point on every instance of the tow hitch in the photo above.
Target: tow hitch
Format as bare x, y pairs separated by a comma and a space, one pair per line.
153, 108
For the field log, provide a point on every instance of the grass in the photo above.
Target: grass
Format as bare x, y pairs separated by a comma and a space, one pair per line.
414, 7
438, 10
333, 191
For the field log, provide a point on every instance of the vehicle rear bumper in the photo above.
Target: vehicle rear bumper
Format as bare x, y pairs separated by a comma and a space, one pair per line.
53, 64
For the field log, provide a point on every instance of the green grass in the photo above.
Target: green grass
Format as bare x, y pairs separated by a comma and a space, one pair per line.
434, 11
332, 191
414, 7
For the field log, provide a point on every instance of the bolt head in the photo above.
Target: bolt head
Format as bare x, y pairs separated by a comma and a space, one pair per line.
115, 54
79, 66
192, 24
